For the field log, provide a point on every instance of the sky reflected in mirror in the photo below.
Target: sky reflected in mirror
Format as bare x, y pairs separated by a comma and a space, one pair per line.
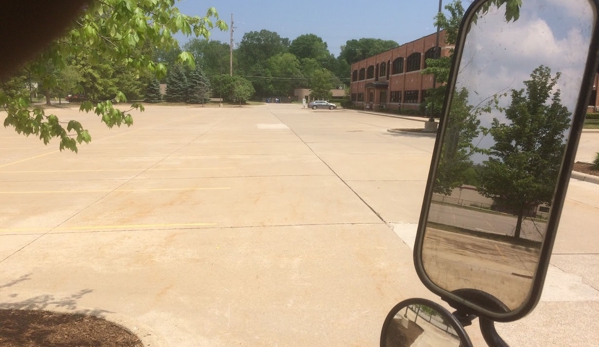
508, 123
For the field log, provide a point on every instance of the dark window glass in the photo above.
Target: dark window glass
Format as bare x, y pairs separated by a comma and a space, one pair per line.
398, 65
383, 98
362, 74
411, 97
396, 96
370, 72
354, 76
360, 96
413, 62
383, 70
353, 97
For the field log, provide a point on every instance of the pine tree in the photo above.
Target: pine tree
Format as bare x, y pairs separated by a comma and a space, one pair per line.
153, 92
176, 85
199, 87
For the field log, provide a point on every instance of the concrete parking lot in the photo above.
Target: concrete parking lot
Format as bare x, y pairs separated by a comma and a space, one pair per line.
257, 226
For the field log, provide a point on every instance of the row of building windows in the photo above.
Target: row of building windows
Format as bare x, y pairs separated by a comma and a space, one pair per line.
413, 63
409, 96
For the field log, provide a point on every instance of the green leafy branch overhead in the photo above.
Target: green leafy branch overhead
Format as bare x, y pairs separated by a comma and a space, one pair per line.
120, 32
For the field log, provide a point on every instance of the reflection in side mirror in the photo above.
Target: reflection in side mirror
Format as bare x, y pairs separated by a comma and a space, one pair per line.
420, 322
514, 113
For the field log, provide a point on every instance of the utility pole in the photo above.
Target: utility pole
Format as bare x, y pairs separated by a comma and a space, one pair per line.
231, 48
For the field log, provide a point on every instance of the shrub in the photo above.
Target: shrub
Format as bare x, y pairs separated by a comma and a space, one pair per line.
347, 104
592, 116
595, 165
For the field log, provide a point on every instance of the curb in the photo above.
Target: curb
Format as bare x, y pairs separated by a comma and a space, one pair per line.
585, 177
422, 133
412, 118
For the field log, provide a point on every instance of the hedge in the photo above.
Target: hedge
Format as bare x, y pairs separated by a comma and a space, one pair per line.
592, 115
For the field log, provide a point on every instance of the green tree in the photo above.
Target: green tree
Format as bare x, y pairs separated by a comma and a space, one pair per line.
211, 56
109, 32
310, 46
321, 83
356, 50
285, 73
232, 88
524, 162
441, 66
198, 87
242, 90
153, 94
15, 87
67, 81
455, 162
176, 85
256, 47
222, 86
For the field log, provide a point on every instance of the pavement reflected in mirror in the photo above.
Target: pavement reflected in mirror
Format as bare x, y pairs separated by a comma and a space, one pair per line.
506, 130
420, 325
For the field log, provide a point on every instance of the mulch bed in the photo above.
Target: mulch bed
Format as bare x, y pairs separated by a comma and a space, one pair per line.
25, 328
585, 168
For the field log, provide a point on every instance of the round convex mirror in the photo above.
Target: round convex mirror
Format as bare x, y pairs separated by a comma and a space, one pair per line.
422, 323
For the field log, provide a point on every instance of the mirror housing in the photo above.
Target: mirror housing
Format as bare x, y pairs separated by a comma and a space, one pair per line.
450, 257
422, 322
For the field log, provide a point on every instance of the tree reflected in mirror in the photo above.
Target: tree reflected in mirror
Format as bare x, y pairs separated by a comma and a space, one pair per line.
503, 144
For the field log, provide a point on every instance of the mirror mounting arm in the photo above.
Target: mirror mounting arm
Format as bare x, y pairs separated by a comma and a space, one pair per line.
465, 315
492, 338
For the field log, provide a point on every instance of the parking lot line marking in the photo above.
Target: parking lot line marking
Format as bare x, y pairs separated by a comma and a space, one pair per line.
118, 170
112, 227
26, 159
115, 190
498, 250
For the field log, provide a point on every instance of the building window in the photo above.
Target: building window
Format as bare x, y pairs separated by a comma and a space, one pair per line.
360, 96
413, 63
396, 96
383, 97
433, 53
388, 68
411, 97
354, 76
354, 97
383, 70
370, 72
362, 74
398, 65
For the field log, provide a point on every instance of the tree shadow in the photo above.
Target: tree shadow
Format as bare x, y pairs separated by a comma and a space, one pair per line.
52, 320
23, 278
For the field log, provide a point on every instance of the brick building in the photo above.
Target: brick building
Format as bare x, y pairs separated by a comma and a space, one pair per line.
393, 79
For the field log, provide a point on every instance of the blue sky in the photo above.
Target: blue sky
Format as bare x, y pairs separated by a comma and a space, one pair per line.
335, 21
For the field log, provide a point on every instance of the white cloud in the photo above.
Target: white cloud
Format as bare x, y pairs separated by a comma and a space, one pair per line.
499, 56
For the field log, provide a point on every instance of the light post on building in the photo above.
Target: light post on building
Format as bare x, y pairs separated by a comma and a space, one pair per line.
437, 56
431, 125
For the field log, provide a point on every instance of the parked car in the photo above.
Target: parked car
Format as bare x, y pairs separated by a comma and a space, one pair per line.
321, 104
